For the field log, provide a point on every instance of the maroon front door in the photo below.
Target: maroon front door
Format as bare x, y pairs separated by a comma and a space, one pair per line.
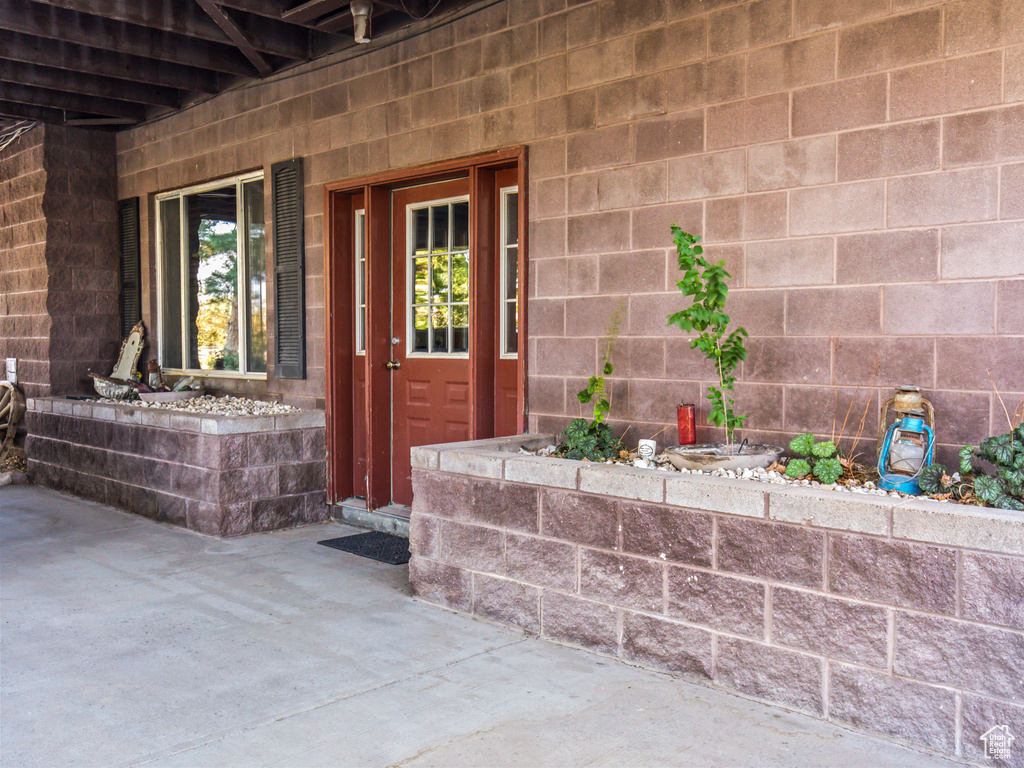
430, 322
425, 326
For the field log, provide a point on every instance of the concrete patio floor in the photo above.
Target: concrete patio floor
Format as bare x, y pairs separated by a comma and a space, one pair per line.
129, 643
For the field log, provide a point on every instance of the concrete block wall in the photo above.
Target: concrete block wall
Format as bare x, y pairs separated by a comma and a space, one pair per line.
901, 617
858, 166
59, 280
218, 475
24, 322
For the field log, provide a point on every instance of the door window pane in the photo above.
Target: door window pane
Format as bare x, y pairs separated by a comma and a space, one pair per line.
439, 320
460, 227
512, 218
460, 277
421, 230
439, 279
460, 328
511, 328
421, 294
440, 233
421, 329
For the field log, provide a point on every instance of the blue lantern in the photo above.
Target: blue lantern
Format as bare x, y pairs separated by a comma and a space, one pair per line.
906, 450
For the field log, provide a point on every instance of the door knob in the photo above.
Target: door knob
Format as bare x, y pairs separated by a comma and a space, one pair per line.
393, 365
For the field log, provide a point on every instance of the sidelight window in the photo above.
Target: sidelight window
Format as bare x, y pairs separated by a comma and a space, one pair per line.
360, 251
509, 272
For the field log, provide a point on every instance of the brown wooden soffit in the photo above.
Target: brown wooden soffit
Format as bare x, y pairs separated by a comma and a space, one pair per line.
112, 63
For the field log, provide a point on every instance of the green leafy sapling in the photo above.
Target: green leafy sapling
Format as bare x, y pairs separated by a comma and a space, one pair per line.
596, 441
1004, 489
705, 285
819, 459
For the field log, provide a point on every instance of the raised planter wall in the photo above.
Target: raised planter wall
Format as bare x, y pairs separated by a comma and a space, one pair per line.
903, 617
218, 475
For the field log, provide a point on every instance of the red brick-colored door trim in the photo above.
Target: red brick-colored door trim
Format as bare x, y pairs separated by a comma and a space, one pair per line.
339, 286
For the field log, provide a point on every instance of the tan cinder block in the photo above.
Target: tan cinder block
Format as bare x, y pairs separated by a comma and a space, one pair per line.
951, 308
835, 106
984, 528
424, 458
559, 473
794, 64
471, 463
707, 175
991, 136
714, 494
946, 86
893, 42
905, 359
642, 484
809, 261
813, 15
889, 151
829, 509
975, 26
795, 163
751, 121
837, 208
948, 197
853, 310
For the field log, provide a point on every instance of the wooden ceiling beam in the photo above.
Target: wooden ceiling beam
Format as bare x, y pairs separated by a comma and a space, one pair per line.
29, 112
99, 121
87, 85
96, 32
237, 36
55, 53
311, 10
70, 102
276, 38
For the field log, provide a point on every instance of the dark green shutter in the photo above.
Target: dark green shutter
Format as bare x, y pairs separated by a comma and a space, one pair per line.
131, 281
289, 269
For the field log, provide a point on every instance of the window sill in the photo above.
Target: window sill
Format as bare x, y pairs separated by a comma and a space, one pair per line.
214, 374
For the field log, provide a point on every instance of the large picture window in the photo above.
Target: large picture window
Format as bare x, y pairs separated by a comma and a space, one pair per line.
212, 288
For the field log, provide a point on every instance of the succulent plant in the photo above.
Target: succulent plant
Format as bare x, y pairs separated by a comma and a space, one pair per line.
1004, 489
820, 460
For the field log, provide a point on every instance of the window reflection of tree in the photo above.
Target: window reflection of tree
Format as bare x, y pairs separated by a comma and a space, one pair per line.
213, 280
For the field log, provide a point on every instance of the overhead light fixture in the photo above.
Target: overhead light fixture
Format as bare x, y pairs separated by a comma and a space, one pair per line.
362, 10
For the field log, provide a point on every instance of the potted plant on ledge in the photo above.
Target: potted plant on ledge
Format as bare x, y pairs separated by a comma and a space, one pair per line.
706, 285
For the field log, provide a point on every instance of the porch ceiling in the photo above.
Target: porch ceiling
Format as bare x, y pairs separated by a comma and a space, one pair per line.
113, 63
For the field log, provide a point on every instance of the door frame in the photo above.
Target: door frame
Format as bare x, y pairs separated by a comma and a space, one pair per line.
340, 311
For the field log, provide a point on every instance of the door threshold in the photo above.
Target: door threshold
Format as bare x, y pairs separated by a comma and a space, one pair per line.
392, 518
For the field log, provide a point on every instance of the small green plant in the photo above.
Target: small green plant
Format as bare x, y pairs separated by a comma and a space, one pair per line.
819, 459
596, 441
706, 286
1004, 489
593, 442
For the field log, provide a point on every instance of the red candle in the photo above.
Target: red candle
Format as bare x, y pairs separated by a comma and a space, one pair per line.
686, 419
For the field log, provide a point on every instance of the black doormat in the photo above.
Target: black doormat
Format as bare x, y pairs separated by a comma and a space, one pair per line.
383, 547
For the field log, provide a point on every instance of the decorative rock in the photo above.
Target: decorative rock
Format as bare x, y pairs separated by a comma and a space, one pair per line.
13, 478
757, 474
208, 404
